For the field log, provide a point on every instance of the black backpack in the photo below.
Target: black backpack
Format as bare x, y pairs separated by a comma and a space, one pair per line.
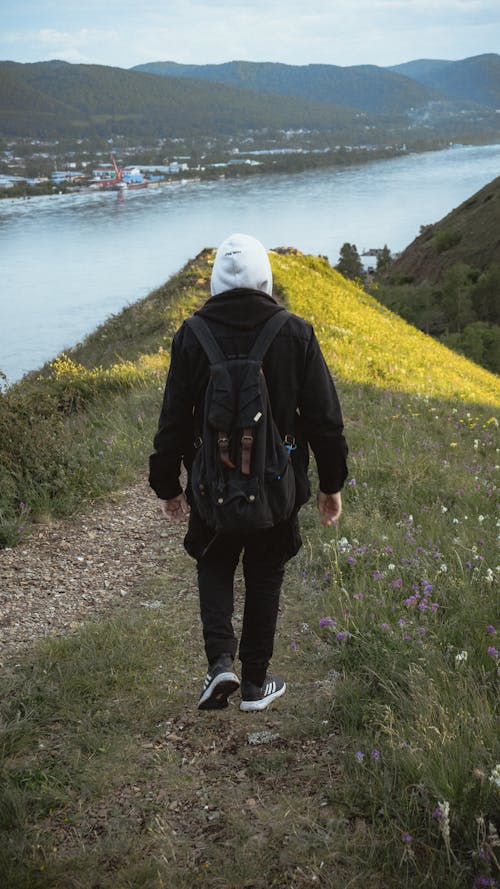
241, 478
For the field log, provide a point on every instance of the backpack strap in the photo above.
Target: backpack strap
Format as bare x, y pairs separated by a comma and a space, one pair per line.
214, 352
267, 334
206, 339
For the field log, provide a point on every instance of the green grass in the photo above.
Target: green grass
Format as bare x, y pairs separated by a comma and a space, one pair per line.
84, 425
383, 774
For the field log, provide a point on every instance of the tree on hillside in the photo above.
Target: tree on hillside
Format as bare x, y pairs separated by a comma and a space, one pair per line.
349, 263
485, 295
478, 341
456, 300
384, 260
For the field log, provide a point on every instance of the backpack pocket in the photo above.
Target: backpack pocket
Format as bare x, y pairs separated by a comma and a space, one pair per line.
240, 505
280, 493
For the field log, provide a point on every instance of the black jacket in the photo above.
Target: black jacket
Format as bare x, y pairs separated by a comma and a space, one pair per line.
303, 397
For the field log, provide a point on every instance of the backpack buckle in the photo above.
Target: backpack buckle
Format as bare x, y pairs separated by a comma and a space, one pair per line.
289, 443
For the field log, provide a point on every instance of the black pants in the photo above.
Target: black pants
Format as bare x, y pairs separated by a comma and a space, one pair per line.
264, 556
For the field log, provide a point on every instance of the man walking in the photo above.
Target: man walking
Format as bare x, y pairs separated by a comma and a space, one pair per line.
306, 411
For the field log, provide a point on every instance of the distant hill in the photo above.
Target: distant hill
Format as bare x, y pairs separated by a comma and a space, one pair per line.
476, 79
364, 87
47, 99
422, 70
469, 234
360, 104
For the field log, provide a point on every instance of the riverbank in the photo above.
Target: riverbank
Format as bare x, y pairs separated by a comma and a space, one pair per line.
255, 164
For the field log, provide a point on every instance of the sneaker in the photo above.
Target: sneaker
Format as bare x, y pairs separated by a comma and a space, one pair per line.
220, 682
255, 698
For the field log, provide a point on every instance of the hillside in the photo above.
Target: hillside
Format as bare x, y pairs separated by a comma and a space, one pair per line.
469, 234
358, 105
421, 70
380, 766
364, 87
60, 99
367, 344
476, 79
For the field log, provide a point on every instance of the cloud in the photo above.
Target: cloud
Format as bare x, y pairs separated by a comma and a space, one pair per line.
82, 46
344, 32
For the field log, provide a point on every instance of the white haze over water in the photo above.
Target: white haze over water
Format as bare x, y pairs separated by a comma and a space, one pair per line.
68, 262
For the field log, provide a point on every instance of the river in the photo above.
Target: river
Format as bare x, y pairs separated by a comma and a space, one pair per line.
67, 262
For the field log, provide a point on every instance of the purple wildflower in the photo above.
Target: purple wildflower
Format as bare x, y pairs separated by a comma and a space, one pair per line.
376, 754
490, 629
411, 600
492, 651
327, 622
341, 636
407, 838
360, 756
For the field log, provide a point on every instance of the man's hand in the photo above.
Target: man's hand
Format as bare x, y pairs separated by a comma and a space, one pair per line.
175, 510
330, 507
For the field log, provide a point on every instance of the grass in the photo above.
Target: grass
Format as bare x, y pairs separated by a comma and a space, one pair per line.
383, 772
83, 426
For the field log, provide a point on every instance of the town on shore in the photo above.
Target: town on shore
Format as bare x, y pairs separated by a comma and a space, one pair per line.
30, 167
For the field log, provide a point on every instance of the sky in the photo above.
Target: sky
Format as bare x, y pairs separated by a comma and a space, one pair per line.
124, 33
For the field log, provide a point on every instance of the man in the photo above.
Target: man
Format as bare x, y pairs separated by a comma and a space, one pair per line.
306, 410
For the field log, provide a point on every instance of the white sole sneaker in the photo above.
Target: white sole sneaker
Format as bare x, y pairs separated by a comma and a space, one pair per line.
270, 694
217, 691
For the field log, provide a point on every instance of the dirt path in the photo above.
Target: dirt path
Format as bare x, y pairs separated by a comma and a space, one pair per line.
74, 568
219, 797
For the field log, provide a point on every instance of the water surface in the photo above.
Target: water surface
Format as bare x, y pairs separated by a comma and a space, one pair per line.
69, 261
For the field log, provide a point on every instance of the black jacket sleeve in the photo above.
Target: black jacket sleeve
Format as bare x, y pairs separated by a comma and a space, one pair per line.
175, 428
321, 417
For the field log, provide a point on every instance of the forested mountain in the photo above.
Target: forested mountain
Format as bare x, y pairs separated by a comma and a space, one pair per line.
358, 105
365, 87
469, 234
421, 69
476, 79
47, 99
447, 282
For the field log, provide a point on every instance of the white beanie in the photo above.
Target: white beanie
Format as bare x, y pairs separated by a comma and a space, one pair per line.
241, 261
